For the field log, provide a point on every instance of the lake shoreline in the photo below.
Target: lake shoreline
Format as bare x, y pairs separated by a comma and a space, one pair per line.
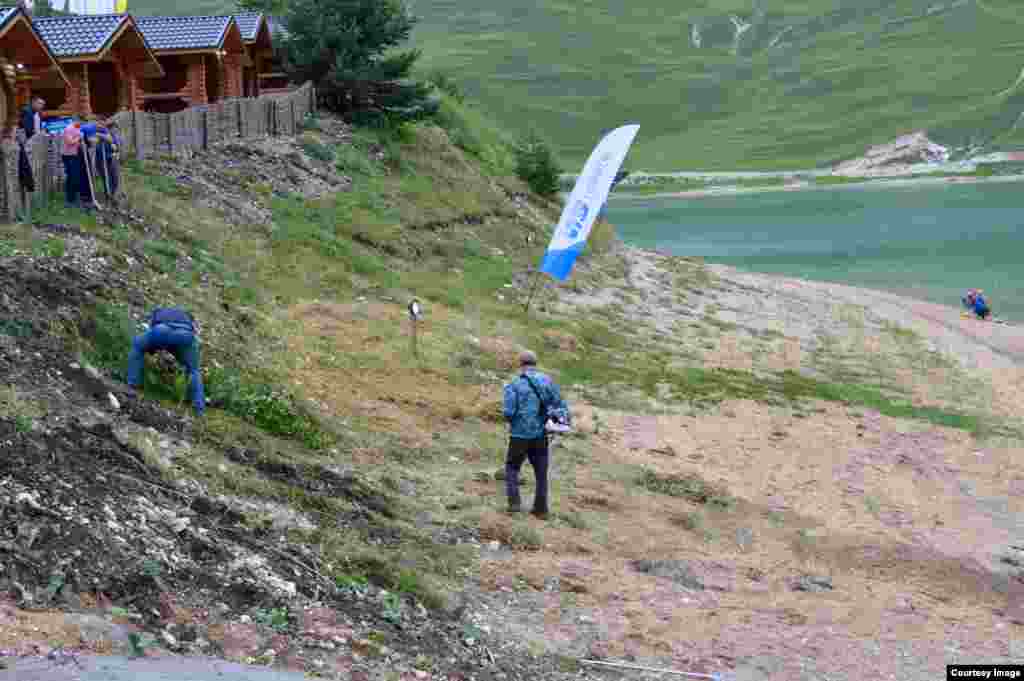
977, 344
881, 183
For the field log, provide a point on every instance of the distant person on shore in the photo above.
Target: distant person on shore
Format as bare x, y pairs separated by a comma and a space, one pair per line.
173, 330
981, 307
529, 402
975, 302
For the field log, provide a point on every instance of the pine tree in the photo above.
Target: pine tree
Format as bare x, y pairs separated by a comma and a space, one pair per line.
340, 46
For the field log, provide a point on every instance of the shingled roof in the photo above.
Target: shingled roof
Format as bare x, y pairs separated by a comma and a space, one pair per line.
6, 14
8, 18
78, 36
249, 25
185, 33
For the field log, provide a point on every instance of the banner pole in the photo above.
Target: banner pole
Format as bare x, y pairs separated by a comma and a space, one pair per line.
533, 290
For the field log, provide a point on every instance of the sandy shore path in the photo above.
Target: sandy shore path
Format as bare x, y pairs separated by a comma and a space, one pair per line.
979, 345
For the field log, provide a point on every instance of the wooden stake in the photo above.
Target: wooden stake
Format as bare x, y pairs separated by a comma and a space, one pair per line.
533, 290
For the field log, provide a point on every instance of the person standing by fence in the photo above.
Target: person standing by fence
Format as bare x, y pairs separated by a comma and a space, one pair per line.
74, 170
31, 121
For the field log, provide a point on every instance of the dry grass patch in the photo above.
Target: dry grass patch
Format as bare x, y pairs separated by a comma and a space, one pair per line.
356, 359
798, 509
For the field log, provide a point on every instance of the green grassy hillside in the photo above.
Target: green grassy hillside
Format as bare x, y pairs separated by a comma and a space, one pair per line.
159, 7
800, 83
807, 82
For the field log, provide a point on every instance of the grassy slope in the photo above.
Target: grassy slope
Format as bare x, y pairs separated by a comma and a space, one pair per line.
323, 296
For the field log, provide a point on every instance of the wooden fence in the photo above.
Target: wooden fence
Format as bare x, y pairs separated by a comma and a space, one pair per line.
147, 134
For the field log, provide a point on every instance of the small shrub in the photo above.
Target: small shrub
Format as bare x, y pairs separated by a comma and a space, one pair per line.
355, 161
536, 165
168, 186
526, 538
276, 618
311, 122
575, 520
804, 541
271, 409
353, 584
110, 331
393, 608
137, 644
152, 568
689, 486
51, 248
446, 84
318, 150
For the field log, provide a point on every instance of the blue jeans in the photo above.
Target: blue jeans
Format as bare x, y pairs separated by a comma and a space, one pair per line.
73, 183
180, 343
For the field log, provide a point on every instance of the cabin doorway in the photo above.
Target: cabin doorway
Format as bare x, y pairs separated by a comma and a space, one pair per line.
214, 84
104, 92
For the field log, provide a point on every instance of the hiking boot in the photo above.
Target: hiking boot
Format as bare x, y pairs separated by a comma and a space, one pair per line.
539, 515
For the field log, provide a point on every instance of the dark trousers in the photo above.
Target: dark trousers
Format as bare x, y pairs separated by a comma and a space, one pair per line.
74, 178
519, 450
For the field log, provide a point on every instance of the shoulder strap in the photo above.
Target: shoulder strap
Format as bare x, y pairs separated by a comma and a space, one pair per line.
543, 407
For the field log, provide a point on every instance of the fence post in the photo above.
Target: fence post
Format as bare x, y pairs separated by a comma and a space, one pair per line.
137, 135
10, 166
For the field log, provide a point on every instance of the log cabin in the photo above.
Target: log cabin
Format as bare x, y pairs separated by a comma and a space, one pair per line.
202, 59
106, 60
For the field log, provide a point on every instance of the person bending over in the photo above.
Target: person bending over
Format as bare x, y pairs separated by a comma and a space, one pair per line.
173, 330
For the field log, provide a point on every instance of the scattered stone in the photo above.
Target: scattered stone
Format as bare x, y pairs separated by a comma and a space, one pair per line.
678, 571
483, 476
813, 584
113, 401
169, 640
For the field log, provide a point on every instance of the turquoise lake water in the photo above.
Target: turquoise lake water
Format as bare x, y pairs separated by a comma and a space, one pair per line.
929, 242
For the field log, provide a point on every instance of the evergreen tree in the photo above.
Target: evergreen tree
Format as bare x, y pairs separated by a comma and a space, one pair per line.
346, 48
45, 8
536, 165
275, 8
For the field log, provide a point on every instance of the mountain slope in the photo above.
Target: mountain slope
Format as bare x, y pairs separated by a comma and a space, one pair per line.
743, 84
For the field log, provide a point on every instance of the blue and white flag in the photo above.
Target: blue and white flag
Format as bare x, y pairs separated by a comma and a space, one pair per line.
586, 200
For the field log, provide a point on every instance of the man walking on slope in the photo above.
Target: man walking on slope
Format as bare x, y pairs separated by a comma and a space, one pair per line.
529, 402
